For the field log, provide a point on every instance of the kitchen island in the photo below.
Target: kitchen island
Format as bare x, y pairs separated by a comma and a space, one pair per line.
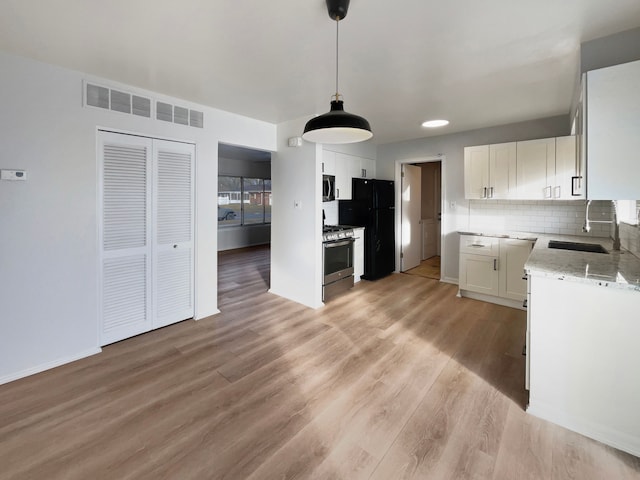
583, 328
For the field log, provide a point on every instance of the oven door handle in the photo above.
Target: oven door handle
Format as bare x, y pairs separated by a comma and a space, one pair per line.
337, 243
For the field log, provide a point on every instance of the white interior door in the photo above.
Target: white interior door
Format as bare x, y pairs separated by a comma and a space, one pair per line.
125, 235
411, 233
173, 232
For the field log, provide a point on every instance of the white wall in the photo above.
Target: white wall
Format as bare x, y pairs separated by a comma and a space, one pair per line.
296, 233
48, 234
455, 217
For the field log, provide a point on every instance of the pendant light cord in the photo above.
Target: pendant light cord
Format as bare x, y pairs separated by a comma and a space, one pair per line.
337, 37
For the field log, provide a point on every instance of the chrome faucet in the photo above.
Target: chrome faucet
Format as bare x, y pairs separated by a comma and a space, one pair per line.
616, 225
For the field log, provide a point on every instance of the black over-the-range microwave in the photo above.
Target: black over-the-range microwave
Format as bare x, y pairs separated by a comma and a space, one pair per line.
328, 188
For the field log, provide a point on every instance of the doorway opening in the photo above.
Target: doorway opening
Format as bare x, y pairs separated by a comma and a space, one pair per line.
420, 217
244, 222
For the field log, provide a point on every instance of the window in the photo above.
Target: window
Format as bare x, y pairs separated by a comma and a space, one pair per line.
243, 201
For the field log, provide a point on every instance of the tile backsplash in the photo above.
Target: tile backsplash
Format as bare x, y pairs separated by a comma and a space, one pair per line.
560, 217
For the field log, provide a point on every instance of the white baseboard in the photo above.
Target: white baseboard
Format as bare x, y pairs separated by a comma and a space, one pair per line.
506, 302
451, 280
208, 314
602, 433
49, 365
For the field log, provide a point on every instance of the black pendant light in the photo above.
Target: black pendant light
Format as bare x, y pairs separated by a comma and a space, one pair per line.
337, 126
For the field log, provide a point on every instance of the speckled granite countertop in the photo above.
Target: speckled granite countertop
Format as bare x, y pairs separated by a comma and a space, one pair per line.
615, 269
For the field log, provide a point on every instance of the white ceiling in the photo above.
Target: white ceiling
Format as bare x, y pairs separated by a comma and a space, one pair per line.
476, 63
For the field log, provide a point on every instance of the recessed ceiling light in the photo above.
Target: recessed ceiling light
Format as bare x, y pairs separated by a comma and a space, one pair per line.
435, 123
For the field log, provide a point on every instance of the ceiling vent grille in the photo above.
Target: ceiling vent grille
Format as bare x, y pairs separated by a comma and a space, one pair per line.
125, 102
164, 112
180, 115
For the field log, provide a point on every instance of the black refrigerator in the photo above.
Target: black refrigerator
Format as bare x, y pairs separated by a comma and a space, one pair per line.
372, 207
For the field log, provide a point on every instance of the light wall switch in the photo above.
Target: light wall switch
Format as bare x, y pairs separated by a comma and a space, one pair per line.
13, 175
295, 141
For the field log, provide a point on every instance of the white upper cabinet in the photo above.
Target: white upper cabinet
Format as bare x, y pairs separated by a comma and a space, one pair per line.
367, 168
536, 169
343, 176
568, 179
613, 132
345, 167
476, 171
502, 170
490, 171
328, 162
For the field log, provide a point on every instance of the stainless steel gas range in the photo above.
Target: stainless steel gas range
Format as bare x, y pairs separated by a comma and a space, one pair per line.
337, 255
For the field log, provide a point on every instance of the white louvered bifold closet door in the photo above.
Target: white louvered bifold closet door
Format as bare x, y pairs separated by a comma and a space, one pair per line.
173, 232
125, 235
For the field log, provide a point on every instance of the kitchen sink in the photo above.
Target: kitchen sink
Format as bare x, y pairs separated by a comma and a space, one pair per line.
576, 246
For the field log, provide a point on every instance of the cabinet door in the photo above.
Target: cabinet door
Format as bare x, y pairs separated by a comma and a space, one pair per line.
536, 163
476, 171
368, 168
513, 255
328, 162
343, 177
479, 273
566, 168
502, 170
355, 167
613, 142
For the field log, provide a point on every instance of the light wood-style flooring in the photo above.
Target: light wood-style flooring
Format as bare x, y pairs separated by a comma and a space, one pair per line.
429, 268
396, 379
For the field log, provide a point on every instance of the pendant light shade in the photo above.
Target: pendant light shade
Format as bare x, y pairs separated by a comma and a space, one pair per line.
337, 126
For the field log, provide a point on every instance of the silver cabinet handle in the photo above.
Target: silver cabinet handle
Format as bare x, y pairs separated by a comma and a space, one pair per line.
556, 192
547, 192
490, 192
337, 193
495, 264
484, 192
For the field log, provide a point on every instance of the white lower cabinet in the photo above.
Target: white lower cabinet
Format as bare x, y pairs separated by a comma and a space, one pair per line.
358, 254
494, 267
479, 273
583, 354
513, 256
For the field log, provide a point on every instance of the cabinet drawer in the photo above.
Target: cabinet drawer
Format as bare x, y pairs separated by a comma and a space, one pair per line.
480, 245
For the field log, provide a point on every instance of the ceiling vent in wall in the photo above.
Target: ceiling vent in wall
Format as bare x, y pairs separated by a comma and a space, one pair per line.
118, 101
180, 115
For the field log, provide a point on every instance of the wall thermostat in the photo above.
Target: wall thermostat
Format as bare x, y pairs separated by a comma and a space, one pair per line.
13, 175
